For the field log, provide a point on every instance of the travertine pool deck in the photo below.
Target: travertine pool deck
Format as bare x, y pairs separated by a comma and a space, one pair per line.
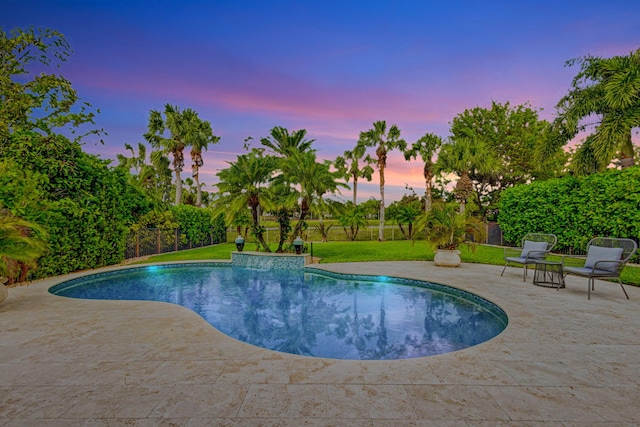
562, 361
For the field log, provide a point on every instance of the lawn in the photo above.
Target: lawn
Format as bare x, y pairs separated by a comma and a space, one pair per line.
399, 250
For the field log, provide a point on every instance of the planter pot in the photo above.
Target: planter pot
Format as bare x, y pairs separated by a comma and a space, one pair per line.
447, 258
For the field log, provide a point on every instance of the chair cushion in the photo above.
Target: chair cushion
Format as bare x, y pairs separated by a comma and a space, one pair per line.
589, 272
529, 246
599, 253
520, 260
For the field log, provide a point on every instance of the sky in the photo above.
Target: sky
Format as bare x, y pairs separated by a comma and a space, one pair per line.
330, 67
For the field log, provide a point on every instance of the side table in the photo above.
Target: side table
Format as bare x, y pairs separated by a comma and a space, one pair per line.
549, 274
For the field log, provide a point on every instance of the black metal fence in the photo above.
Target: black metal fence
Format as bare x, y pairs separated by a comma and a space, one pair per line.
153, 241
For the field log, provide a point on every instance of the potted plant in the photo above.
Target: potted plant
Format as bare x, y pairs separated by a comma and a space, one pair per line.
447, 228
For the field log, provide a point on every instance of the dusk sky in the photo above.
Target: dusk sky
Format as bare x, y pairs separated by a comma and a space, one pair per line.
330, 67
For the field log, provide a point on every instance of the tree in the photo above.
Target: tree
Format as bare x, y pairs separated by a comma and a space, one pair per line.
243, 185
351, 219
45, 102
84, 206
313, 180
200, 141
405, 212
185, 128
350, 164
284, 144
512, 139
426, 147
607, 91
466, 156
384, 142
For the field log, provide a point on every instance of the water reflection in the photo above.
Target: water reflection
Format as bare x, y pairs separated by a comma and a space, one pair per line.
308, 314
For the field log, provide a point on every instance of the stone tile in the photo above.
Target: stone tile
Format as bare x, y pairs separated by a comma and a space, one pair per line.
543, 404
118, 401
256, 372
25, 373
234, 422
457, 370
419, 423
314, 370
285, 401
201, 400
39, 401
399, 372
446, 402
369, 401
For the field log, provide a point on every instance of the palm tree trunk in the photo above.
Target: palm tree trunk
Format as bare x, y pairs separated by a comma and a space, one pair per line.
178, 188
355, 189
196, 178
381, 227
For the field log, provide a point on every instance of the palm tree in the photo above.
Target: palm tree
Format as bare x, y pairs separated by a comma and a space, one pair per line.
384, 142
465, 156
350, 164
426, 147
284, 144
134, 162
21, 244
200, 141
182, 127
609, 89
242, 186
313, 180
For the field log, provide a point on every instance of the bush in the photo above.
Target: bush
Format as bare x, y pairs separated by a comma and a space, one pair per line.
574, 209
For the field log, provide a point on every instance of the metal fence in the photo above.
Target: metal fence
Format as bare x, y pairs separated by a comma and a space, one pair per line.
153, 241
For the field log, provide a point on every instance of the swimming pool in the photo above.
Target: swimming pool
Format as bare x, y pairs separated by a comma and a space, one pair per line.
310, 312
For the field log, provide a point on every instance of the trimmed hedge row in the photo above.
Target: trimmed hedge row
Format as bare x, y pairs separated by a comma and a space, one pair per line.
574, 209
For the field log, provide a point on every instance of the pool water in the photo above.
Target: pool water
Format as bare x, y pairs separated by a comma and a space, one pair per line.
310, 313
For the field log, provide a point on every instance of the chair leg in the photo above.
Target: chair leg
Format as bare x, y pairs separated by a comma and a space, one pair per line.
524, 277
623, 290
505, 267
589, 284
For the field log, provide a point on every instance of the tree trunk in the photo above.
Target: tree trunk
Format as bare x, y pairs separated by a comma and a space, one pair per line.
178, 188
381, 227
355, 190
196, 178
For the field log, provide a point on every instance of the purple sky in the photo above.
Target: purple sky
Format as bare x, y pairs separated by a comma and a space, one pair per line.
331, 67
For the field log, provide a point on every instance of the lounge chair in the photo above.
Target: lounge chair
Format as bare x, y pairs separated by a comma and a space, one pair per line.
605, 259
535, 247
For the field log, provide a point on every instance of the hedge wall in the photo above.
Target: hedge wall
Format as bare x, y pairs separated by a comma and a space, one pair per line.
574, 209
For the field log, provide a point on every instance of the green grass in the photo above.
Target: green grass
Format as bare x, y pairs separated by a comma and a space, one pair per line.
399, 250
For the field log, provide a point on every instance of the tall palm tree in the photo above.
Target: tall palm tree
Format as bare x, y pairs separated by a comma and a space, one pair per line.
384, 142
200, 141
182, 126
350, 164
243, 185
465, 156
607, 90
426, 147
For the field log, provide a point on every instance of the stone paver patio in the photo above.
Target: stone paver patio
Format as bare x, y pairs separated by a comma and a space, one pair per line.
562, 361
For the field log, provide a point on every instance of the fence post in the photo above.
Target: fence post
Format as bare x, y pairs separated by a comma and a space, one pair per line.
175, 239
158, 241
137, 243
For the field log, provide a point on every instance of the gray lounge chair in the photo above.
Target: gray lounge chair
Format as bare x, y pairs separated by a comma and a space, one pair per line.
535, 247
605, 259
